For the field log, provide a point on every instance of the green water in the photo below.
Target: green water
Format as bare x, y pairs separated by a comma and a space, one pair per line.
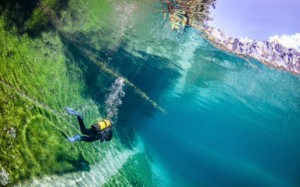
192, 115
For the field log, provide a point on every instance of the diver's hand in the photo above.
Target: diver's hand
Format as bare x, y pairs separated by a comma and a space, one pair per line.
74, 138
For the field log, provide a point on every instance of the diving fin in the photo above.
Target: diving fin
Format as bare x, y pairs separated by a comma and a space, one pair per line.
74, 138
71, 111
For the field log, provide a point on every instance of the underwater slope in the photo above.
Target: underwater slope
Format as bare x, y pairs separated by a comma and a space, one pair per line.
52, 58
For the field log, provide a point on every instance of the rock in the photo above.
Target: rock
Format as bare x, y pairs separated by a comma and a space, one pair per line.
4, 177
12, 132
188, 12
270, 53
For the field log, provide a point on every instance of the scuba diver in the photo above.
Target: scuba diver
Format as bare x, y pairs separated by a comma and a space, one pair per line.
103, 129
100, 131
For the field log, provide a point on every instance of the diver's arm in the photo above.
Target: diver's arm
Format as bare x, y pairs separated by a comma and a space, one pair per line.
107, 135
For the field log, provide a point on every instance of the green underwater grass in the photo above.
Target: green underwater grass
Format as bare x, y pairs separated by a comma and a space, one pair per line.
144, 176
34, 89
38, 79
35, 86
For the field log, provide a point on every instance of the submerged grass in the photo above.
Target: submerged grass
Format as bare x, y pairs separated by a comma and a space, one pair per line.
35, 86
40, 76
144, 177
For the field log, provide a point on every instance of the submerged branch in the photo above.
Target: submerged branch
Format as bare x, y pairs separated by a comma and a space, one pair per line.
91, 56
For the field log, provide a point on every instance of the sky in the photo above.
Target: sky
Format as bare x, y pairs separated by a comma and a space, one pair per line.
257, 19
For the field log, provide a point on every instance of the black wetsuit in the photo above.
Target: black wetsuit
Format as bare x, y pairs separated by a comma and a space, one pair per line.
92, 134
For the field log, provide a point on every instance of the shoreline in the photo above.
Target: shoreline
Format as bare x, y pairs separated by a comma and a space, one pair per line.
272, 54
197, 13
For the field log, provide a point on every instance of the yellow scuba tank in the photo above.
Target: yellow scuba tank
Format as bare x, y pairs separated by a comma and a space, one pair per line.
102, 125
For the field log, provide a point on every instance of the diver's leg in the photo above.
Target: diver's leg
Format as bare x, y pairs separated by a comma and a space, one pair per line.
82, 127
88, 138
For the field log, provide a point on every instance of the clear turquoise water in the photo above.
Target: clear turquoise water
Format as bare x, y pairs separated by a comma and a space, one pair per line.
229, 122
